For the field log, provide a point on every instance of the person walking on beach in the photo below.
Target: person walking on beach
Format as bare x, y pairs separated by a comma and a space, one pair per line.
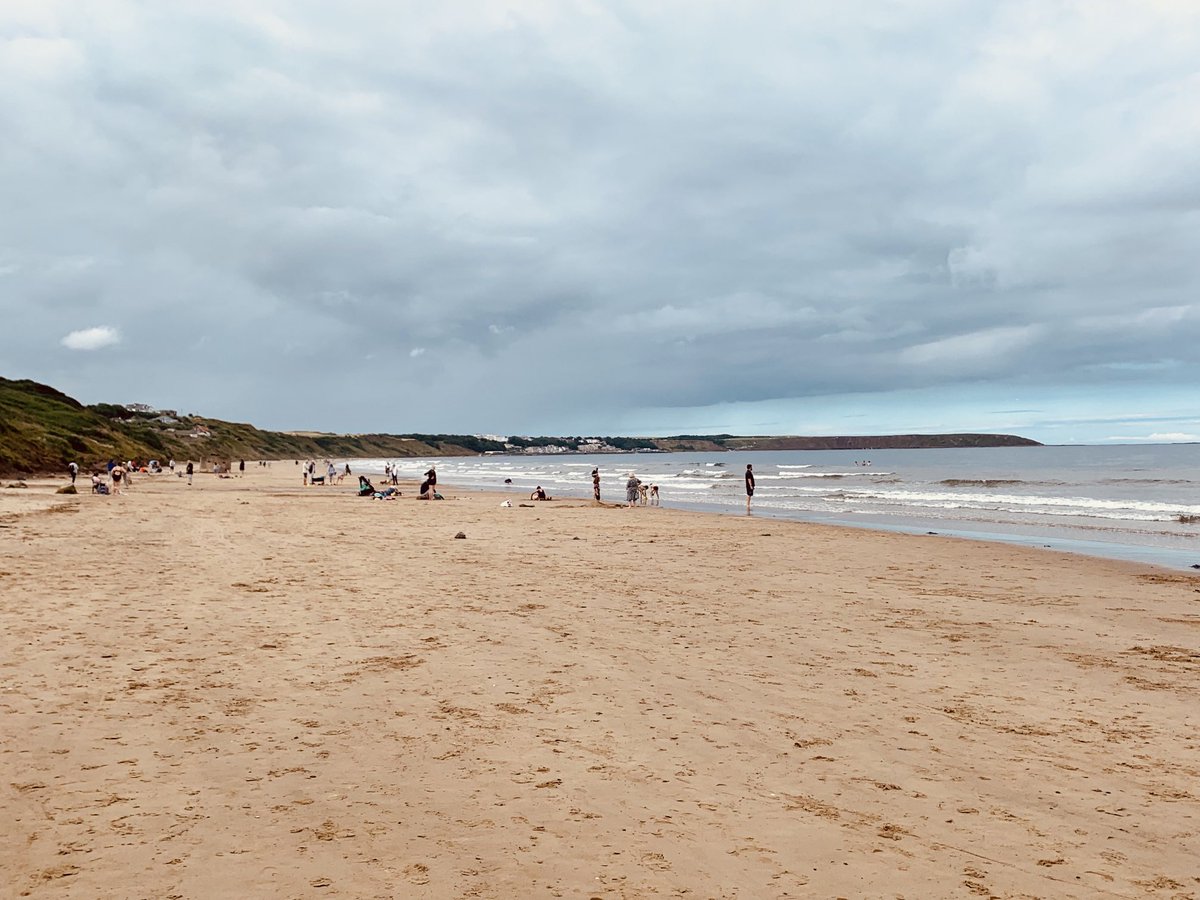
190, 470
73, 469
596, 483
631, 490
242, 468
749, 485
116, 473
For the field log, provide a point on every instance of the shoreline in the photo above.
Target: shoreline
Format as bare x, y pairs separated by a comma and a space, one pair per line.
1159, 542
251, 688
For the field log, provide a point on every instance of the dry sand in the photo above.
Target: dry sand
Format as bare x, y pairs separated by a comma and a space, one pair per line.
252, 689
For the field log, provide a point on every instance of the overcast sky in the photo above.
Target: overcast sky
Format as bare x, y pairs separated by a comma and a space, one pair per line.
864, 216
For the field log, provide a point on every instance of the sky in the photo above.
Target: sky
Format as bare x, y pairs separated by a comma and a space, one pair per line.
862, 217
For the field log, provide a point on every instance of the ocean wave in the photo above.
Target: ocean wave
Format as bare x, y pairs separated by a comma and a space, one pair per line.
1145, 481
1040, 504
983, 482
833, 475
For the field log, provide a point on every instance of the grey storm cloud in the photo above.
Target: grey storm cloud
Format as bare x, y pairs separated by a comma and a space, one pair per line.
537, 215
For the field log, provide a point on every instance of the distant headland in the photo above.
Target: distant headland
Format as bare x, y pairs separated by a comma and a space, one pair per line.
43, 429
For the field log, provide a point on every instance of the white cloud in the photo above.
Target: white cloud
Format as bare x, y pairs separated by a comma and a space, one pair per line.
416, 351
92, 338
982, 348
1158, 437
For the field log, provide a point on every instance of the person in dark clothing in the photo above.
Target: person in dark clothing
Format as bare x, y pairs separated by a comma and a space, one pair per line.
749, 485
190, 469
596, 483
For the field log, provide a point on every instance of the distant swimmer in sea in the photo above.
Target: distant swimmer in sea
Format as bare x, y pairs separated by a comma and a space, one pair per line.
749, 485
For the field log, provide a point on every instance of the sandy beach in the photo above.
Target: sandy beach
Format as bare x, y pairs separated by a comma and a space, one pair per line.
248, 688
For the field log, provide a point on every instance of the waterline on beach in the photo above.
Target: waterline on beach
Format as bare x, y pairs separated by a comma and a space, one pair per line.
1116, 502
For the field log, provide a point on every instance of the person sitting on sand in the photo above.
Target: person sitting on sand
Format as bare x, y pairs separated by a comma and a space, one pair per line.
365, 488
539, 494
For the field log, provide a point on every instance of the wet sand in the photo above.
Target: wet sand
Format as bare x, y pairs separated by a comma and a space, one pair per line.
253, 689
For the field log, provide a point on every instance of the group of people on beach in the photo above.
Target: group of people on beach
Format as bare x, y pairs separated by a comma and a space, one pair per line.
638, 492
117, 477
330, 476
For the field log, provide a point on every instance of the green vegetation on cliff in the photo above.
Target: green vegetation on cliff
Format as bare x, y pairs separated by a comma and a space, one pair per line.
42, 429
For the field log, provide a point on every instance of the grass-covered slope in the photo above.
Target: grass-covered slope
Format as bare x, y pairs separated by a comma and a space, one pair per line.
42, 429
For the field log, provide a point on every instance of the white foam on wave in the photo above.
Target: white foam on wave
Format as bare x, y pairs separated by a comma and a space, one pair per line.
1087, 507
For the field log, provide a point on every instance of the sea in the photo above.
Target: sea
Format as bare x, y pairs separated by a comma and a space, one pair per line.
1127, 502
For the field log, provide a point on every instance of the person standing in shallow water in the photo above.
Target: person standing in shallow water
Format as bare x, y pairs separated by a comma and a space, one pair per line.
749, 485
596, 483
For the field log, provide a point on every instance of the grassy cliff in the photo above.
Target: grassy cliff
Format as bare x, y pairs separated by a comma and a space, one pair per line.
42, 429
